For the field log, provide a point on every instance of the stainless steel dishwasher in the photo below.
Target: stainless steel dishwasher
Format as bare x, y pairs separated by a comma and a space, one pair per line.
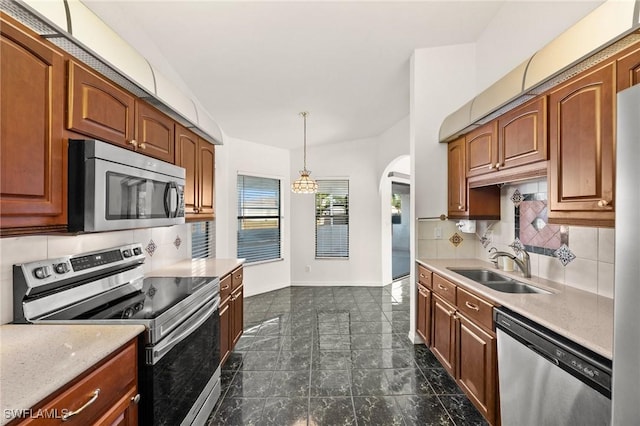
546, 379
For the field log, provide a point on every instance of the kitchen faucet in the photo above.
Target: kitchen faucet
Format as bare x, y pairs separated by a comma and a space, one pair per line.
524, 264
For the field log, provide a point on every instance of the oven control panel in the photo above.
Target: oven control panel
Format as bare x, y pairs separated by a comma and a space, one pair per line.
51, 273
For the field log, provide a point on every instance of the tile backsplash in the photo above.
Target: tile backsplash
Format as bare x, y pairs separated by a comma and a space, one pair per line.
27, 249
591, 270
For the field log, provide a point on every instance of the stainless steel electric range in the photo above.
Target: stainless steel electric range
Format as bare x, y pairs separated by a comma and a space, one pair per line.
179, 362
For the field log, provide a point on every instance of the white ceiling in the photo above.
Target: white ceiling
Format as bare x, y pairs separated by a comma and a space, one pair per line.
255, 65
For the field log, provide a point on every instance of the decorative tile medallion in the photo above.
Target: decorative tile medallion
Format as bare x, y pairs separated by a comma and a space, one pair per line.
484, 240
517, 198
532, 229
456, 239
177, 242
151, 247
517, 244
564, 255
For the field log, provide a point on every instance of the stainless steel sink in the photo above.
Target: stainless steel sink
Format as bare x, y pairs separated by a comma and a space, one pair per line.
497, 281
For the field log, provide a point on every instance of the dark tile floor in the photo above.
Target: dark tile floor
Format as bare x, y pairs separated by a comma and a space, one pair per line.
335, 356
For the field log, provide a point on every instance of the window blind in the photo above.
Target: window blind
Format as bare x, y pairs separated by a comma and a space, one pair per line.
258, 218
332, 218
203, 236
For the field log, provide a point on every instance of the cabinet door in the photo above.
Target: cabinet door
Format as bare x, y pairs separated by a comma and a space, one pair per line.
522, 134
237, 313
32, 152
225, 331
187, 157
457, 183
99, 109
629, 69
206, 178
154, 133
582, 157
124, 413
477, 366
482, 150
443, 339
423, 326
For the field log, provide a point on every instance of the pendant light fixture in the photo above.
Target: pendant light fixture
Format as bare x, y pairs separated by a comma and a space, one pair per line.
304, 184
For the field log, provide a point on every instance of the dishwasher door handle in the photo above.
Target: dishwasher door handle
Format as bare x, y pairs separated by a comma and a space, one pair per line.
544, 355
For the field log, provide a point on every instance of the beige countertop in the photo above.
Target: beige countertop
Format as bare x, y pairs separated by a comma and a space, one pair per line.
198, 268
37, 360
583, 317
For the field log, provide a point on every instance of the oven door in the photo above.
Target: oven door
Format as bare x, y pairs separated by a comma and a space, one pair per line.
180, 367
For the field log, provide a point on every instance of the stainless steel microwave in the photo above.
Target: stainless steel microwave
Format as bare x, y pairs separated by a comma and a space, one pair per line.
111, 188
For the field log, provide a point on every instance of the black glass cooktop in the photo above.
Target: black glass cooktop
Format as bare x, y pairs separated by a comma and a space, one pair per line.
158, 294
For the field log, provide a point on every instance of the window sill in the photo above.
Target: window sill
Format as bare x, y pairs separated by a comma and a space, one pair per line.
262, 262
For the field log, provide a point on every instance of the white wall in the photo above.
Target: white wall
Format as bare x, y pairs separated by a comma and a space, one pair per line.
28, 249
355, 161
442, 79
245, 157
519, 29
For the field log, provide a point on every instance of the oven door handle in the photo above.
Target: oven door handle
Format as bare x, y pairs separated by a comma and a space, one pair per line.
182, 332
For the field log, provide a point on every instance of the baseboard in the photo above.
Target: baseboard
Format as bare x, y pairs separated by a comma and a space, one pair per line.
335, 284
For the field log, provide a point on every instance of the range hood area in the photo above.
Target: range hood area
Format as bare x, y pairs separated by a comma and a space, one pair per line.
74, 28
599, 35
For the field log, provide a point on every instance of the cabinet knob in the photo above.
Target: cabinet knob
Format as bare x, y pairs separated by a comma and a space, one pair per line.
133, 143
196, 210
142, 145
498, 166
603, 203
490, 166
459, 207
135, 399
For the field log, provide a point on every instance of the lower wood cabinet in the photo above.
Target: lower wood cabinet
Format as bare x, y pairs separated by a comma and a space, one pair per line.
231, 312
108, 395
476, 366
423, 318
459, 331
444, 333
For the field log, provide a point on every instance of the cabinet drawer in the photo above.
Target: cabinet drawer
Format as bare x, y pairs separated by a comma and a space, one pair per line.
475, 308
236, 278
225, 288
424, 276
446, 289
110, 381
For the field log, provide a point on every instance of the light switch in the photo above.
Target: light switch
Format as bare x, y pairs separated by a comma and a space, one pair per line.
437, 233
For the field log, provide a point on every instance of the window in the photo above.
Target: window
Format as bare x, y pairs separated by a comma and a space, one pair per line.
332, 218
258, 218
203, 236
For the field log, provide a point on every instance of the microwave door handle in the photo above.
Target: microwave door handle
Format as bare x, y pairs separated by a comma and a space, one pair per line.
168, 199
176, 199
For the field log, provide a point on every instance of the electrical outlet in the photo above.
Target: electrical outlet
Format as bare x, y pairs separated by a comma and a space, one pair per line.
437, 233
307, 268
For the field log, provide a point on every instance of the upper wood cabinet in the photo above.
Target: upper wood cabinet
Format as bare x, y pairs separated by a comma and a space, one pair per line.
32, 152
98, 108
154, 133
582, 151
628, 67
482, 149
522, 135
457, 193
197, 156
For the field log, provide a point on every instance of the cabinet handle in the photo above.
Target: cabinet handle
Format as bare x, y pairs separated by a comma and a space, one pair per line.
441, 287
603, 203
239, 277
135, 399
93, 399
497, 166
133, 143
471, 306
142, 145
490, 166
225, 287
422, 276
